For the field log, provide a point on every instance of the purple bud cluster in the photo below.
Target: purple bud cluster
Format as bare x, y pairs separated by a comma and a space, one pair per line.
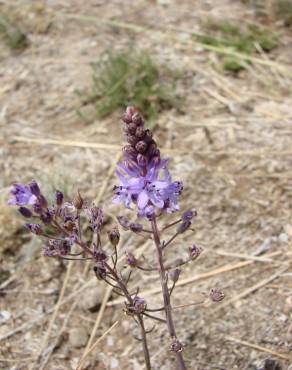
141, 182
142, 148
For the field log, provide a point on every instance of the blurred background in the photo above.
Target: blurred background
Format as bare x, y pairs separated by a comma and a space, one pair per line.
213, 80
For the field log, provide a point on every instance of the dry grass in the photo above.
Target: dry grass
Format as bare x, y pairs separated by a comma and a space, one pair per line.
230, 143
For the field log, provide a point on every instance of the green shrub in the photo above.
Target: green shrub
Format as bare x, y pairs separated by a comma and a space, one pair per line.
12, 35
223, 34
129, 77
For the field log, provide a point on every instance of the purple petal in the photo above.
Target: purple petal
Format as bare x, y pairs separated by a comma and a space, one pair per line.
142, 199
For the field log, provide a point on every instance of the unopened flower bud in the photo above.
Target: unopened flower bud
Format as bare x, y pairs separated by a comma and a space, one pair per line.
131, 260
216, 295
34, 188
182, 227
130, 151
174, 275
137, 119
42, 201
155, 161
130, 111
114, 236
59, 197
132, 140
78, 201
124, 222
141, 146
188, 215
140, 132
141, 159
148, 137
134, 226
131, 128
34, 228
194, 251
152, 149
25, 212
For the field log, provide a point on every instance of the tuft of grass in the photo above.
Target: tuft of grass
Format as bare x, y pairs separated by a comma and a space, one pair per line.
225, 34
283, 11
12, 35
129, 77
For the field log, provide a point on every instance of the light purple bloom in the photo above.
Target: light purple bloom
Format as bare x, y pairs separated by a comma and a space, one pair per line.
147, 190
22, 196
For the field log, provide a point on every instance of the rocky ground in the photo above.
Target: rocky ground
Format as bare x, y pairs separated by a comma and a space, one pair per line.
230, 143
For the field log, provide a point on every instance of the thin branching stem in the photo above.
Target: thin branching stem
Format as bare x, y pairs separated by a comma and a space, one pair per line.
165, 292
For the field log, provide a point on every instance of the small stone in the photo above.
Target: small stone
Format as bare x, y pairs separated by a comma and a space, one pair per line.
283, 238
91, 298
78, 337
288, 230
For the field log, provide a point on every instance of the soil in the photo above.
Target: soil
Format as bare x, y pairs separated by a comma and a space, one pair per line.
230, 144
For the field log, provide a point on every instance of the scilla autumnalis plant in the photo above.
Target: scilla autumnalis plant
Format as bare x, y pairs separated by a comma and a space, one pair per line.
147, 189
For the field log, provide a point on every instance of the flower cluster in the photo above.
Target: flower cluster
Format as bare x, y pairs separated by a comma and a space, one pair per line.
146, 184
144, 178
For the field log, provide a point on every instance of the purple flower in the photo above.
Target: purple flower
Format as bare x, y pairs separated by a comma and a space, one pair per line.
22, 196
149, 190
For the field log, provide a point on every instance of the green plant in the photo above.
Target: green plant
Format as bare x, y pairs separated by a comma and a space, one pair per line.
283, 10
12, 35
129, 77
225, 34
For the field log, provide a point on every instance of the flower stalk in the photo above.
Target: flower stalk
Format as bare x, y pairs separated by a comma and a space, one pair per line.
165, 293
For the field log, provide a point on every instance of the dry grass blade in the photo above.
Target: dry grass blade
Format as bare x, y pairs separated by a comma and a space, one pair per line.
259, 348
55, 343
174, 38
79, 367
251, 289
84, 144
96, 324
54, 316
205, 275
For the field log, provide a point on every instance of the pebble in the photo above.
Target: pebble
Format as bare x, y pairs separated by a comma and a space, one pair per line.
91, 298
78, 337
283, 238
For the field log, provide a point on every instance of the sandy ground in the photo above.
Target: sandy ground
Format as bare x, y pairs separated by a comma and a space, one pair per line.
231, 146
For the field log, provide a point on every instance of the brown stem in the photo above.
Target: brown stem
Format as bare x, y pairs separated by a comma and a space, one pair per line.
166, 297
144, 342
127, 295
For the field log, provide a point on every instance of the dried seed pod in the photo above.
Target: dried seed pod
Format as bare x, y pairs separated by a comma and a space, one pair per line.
194, 251
174, 274
182, 227
216, 295
114, 236
78, 201
34, 228
136, 227
131, 260
176, 346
